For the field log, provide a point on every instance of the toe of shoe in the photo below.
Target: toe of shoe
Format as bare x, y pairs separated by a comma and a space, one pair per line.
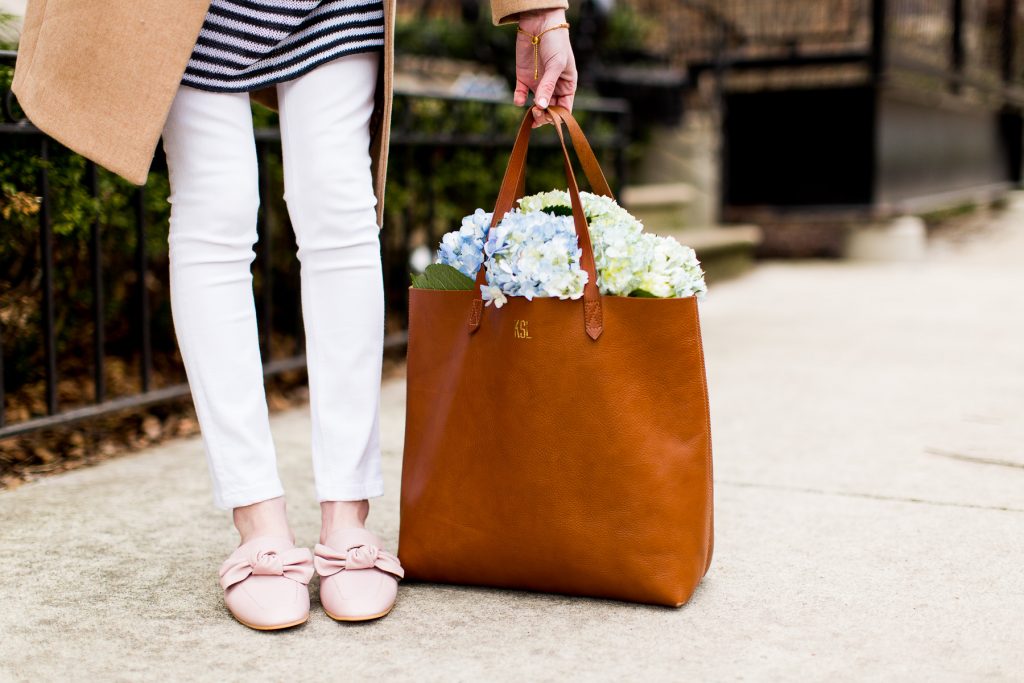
358, 595
268, 602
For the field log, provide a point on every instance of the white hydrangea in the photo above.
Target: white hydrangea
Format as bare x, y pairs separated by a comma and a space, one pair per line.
619, 253
542, 200
673, 270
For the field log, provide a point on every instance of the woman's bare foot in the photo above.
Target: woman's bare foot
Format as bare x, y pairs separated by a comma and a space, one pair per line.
266, 518
342, 514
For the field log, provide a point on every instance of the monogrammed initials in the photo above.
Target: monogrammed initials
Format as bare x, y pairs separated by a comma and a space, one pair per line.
521, 329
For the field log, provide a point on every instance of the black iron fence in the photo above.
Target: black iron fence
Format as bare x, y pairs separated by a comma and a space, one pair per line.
980, 39
85, 326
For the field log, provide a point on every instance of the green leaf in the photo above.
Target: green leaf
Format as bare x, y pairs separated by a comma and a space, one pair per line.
563, 210
442, 276
558, 210
643, 294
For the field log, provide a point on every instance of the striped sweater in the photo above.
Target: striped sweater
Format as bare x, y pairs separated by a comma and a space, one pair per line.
249, 44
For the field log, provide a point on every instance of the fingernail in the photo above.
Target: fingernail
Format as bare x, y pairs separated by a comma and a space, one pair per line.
542, 103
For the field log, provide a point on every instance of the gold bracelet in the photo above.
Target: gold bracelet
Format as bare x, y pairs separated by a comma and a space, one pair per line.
535, 41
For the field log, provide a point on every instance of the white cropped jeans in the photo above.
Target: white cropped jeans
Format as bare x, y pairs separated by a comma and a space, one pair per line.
214, 196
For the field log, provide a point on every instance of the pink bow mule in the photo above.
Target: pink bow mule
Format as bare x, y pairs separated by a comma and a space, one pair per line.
265, 583
358, 580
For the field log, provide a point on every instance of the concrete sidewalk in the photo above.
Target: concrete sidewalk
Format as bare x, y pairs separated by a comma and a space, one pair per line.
869, 454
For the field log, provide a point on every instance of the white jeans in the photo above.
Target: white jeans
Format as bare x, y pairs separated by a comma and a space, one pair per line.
211, 159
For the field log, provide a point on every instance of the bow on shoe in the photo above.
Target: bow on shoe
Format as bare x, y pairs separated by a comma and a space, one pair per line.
329, 561
295, 564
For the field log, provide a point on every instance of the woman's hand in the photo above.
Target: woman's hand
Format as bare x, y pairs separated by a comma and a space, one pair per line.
555, 64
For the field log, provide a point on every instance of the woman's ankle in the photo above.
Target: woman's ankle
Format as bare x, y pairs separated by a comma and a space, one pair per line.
342, 514
265, 518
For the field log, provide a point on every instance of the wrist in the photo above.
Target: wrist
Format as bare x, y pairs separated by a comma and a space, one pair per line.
538, 20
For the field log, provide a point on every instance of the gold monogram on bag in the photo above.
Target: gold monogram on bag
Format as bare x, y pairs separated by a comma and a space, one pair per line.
521, 329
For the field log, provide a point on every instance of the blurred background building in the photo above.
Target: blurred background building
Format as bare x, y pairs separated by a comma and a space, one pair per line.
807, 117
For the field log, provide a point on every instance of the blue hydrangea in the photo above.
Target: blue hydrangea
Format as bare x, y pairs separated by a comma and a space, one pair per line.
533, 253
463, 248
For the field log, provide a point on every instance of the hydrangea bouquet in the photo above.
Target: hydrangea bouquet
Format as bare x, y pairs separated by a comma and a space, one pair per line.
533, 252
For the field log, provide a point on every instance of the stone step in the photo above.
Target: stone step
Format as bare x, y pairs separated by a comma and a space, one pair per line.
724, 251
659, 207
904, 238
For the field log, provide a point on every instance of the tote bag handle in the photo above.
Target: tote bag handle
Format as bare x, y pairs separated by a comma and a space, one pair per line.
512, 187
584, 152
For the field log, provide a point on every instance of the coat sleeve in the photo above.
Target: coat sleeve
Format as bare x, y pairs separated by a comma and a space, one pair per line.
505, 11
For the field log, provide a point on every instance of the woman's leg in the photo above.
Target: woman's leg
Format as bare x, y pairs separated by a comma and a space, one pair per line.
211, 159
325, 135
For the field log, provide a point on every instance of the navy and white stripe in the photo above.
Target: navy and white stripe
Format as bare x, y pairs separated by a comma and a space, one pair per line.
249, 44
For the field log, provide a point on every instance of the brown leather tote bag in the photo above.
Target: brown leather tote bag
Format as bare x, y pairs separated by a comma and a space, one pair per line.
557, 445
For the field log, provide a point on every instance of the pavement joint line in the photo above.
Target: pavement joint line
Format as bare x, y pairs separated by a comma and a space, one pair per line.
867, 496
970, 458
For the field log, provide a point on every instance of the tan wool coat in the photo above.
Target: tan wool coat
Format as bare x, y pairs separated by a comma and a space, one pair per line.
99, 76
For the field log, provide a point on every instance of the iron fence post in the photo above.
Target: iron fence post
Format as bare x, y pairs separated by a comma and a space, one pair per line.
141, 271
1009, 61
956, 45
96, 263
879, 13
46, 256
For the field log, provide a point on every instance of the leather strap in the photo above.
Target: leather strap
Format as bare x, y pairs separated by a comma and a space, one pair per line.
593, 319
585, 154
512, 182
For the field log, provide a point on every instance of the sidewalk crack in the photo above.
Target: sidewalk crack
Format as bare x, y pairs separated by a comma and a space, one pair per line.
866, 496
974, 459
